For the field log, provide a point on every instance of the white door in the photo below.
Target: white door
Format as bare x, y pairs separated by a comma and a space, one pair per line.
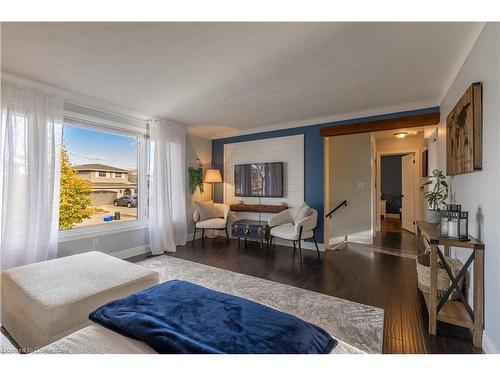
408, 200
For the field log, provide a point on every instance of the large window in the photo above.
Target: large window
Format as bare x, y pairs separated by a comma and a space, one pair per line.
100, 177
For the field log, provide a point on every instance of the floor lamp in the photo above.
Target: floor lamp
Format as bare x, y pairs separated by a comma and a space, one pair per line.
213, 176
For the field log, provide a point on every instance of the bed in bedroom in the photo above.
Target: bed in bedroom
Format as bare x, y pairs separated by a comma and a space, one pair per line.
95, 339
357, 328
181, 317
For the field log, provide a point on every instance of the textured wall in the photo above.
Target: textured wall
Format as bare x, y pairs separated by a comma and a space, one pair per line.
478, 191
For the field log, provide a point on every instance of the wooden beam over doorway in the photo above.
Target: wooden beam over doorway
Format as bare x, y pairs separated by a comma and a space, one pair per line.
380, 125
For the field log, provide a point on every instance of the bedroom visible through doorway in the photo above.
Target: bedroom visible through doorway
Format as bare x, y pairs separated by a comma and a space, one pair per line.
398, 198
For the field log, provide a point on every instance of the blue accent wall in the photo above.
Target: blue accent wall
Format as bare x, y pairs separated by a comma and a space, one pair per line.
313, 156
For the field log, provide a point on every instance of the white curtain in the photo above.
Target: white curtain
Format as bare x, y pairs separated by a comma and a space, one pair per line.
167, 187
30, 140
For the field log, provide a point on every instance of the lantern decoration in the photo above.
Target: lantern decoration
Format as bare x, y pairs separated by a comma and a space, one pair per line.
454, 223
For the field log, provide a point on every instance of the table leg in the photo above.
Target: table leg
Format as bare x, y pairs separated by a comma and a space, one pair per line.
446, 251
478, 298
433, 291
418, 240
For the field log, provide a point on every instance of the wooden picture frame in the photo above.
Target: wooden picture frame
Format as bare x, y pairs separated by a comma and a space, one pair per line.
464, 133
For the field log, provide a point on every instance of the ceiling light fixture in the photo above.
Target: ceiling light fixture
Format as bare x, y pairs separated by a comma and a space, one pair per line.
400, 135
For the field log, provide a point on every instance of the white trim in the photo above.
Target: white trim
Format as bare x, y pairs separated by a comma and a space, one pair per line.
417, 203
142, 211
133, 251
304, 244
488, 345
277, 241
100, 230
366, 239
104, 125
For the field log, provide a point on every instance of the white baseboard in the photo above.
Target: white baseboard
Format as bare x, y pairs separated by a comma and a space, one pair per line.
277, 241
358, 238
133, 251
488, 346
305, 244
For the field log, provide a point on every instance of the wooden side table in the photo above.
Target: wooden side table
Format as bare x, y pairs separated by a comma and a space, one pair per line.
454, 312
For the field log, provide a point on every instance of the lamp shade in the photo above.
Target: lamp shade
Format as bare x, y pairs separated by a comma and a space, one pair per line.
213, 175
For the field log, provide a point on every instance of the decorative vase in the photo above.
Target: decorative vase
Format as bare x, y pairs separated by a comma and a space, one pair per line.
433, 216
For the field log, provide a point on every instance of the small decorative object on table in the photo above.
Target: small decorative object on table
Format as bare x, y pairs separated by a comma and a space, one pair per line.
455, 223
435, 197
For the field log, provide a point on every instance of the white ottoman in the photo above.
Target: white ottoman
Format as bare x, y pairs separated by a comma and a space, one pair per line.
42, 302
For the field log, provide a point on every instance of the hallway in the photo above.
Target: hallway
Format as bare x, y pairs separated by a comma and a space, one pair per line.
394, 239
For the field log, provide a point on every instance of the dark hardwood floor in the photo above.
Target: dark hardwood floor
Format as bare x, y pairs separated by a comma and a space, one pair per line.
395, 239
356, 273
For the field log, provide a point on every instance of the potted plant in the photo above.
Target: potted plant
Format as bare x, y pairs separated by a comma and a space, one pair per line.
436, 197
195, 179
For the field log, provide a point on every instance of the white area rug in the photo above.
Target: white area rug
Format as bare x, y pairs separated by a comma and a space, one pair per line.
356, 324
5, 345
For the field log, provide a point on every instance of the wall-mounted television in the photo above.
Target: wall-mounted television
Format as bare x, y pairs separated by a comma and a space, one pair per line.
258, 180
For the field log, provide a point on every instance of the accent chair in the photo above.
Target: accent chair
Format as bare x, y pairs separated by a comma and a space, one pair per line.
296, 225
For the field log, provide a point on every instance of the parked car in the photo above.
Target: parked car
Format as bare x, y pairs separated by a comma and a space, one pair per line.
126, 200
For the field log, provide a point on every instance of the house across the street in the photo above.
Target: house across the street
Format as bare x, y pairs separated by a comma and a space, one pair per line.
108, 183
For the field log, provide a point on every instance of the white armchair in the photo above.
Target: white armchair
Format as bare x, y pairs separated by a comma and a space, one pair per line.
216, 223
296, 225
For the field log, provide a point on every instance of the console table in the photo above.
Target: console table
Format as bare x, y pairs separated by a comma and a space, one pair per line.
454, 312
253, 230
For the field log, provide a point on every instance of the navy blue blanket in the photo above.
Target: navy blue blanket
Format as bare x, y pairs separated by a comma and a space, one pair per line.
181, 317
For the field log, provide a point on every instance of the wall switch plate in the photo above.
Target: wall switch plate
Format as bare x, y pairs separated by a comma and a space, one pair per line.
360, 185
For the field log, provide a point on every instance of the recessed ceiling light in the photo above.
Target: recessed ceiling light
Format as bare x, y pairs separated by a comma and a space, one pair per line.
413, 132
400, 134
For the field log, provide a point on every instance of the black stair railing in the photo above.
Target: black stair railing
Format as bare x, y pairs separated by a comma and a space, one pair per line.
344, 203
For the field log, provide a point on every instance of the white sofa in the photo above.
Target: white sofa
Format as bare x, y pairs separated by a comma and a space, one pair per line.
42, 302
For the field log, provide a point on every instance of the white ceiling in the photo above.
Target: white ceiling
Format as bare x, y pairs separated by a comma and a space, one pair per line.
389, 134
222, 78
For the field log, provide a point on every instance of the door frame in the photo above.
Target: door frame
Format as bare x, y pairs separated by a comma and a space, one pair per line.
417, 178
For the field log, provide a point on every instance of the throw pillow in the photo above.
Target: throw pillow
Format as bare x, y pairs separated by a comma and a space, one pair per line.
206, 210
303, 212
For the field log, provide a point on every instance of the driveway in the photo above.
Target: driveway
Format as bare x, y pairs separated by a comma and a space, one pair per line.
126, 214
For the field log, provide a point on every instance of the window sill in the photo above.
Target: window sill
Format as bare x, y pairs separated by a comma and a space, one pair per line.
99, 230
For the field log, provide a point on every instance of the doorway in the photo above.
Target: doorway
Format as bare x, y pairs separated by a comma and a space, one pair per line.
397, 203
408, 218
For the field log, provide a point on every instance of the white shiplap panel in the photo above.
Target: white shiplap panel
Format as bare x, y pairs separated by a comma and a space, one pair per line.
289, 150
